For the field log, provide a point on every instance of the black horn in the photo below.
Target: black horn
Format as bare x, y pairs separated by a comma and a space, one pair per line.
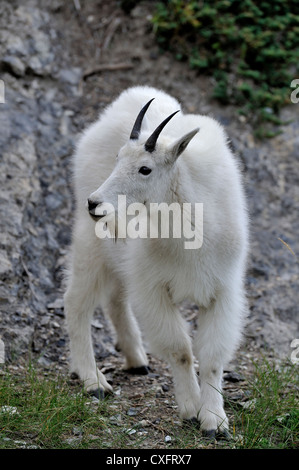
150, 144
137, 125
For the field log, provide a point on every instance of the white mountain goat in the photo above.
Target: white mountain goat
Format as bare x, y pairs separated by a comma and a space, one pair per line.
144, 278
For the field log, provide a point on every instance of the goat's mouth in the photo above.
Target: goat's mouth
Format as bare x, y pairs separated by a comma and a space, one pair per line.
96, 218
94, 215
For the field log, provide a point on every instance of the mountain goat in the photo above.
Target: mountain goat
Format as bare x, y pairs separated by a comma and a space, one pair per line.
140, 280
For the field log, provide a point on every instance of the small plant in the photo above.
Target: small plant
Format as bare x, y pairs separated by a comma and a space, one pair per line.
251, 49
270, 418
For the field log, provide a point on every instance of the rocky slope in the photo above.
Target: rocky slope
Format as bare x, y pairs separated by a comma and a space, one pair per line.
61, 63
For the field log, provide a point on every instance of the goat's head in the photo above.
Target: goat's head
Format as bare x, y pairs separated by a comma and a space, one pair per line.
143, 169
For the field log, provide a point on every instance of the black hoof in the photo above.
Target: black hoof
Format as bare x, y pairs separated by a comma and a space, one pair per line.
142, 370
213, 434
209, 435
74, 376
98, 393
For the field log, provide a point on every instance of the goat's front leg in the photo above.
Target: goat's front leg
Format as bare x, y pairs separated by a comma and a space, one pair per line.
167, 336
79, 310
80, 300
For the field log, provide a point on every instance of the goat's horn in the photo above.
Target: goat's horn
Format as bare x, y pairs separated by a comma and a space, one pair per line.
137, 125
150, 144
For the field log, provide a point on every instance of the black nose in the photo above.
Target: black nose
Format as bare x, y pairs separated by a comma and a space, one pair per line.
92, 205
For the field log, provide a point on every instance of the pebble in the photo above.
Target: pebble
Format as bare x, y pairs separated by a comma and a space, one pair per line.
131, 431
249, 405
116, 419
282, 419
9, 409
233, 377
77, 431
144, 423
71, 75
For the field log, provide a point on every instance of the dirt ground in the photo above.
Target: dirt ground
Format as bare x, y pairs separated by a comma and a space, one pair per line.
61, 64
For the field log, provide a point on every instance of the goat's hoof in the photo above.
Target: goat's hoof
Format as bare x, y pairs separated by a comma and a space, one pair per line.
213, 434
74, 376
209, 435
98, 393
141, 370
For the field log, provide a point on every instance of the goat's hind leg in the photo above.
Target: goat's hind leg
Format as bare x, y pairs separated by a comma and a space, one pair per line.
80, 300
129, 340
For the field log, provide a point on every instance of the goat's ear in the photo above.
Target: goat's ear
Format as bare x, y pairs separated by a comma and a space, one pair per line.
180, 145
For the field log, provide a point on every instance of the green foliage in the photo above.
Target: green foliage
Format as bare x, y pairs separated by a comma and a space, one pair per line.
43, 412
271, 417
251, 48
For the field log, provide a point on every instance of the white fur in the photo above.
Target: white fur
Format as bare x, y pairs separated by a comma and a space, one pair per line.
151, 276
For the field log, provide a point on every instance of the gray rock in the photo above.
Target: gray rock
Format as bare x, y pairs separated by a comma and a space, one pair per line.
14, 64
71, 75
5, 264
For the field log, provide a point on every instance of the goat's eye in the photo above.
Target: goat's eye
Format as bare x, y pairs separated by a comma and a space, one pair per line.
144, 170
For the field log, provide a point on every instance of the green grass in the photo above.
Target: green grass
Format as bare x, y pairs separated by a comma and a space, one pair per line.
271, 417
52, 412
46, 411
42, 412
